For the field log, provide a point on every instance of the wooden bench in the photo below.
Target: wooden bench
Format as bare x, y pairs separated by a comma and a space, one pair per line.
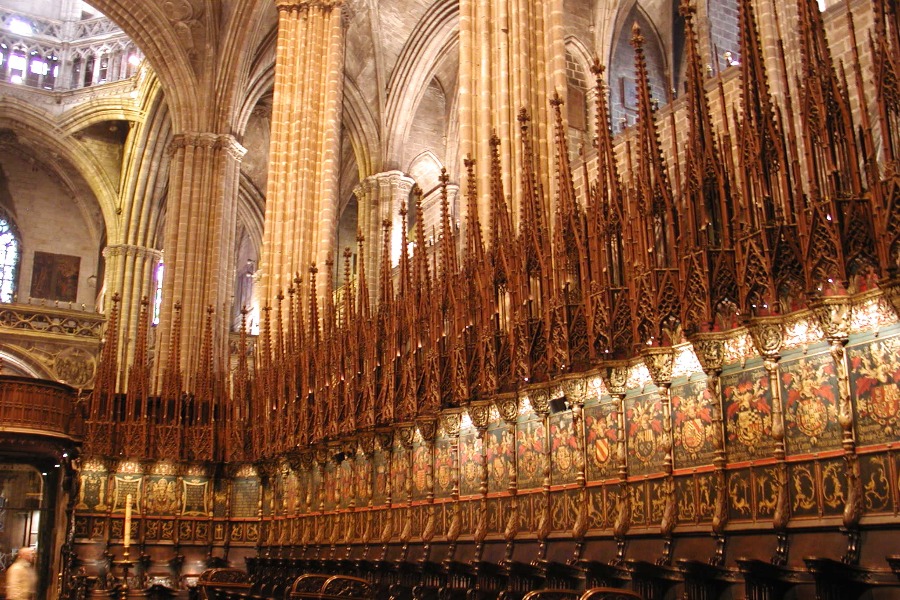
216, 584
599, 593
324, 587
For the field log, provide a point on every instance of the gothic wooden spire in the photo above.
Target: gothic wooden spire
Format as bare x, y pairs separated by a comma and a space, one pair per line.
331, 367
607, 302
839, 240
707, 259
570, 245
449, 264
199, 441
656, 292
168, 434
350, 353
407, 333
238, 410
475, 252
386, 336
386, 297
363, 308
569, 259
767, 251
137, 398
367, 345
533, 228
263, 426
98, 439
421, 271
405, 277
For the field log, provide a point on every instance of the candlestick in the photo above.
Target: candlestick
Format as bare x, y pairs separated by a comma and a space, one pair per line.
127, 535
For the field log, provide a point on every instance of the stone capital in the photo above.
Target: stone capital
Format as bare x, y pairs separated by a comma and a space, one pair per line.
114, 250
298, 5
216, 141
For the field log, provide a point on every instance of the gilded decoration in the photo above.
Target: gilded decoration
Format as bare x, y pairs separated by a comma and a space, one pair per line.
693, 427
875, 471
563, 448
645, 434
748, 414
875, 381
810, 394
530, 451
499, 449
469, 463
162, 495
601, 431
444, 466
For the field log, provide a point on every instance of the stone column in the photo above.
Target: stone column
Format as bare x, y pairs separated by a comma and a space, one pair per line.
201, 213
380, 197
512, 56
133, 242
130, 271
302, 190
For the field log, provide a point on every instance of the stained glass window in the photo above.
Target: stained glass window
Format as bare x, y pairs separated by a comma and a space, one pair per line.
157, 297
9, 259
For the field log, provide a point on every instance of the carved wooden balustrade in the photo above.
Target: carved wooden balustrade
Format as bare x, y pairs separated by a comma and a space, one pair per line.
38, 407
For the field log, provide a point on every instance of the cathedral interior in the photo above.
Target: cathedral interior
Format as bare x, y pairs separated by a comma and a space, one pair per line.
451, 299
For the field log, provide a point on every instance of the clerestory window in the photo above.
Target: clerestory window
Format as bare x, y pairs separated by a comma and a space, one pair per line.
9, 258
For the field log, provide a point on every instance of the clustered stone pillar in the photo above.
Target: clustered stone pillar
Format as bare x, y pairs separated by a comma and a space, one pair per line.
201, 213
380, 197
133, 250
302, 191
130, 273
512, 56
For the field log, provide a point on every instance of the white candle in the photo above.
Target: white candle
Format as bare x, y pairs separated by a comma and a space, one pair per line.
127, 534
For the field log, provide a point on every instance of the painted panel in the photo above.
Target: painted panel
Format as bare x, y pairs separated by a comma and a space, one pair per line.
748, 415
500, 446
645, 439
563, 448
92, 491
195, 496
809, 390
380, 460
530, 445
443, 467
469, 464
692, 424
601, 437
162, 498
875, 385
876, 481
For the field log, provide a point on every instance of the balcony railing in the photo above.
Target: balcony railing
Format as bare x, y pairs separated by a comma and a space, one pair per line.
38, 407
44, 320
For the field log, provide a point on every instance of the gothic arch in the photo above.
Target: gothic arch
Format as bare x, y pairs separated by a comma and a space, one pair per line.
620, 69
425, 168
14, 359
362, 130
36, 127
435, 39
97, 111
155, 34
